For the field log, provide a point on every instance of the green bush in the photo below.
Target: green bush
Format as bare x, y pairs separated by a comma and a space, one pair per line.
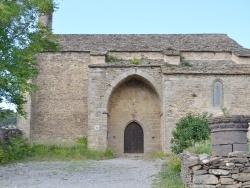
15, 148
189, 130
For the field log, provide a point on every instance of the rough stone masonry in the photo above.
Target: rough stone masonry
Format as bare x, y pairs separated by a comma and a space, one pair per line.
152, 80
204, 171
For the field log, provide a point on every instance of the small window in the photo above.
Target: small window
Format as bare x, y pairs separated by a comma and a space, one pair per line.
218, 93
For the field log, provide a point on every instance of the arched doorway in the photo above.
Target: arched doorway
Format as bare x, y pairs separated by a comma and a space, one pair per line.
134, 100
133, 138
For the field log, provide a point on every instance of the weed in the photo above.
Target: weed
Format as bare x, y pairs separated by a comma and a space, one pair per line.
135, 61
185, 64
111, 59
170, 173
167, 64
194, 95
225, 111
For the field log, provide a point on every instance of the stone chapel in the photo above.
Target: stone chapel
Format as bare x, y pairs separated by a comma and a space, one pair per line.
127, 91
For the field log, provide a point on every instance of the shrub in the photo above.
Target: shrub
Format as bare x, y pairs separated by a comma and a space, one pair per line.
189, 130
15, 148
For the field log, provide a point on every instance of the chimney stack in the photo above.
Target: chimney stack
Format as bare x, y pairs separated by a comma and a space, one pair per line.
46, 19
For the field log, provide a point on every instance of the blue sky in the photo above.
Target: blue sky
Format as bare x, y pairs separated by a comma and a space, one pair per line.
231, 17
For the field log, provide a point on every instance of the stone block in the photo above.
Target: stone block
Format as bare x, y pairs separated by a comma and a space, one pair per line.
203, 186
192, 161
240, 147
243, 177
246, 183
219, 172
203, 156
245, 170
221, 150
234, 176
226, 181
200, 172
206, 179
222, 138
230, 186
198, 167
239, 154
238, 160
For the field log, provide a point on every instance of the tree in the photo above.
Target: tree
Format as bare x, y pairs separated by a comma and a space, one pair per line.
21, 38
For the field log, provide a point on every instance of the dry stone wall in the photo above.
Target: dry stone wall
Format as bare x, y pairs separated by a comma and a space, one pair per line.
204, 171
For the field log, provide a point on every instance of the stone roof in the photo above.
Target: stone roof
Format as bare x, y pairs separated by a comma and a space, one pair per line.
150, 42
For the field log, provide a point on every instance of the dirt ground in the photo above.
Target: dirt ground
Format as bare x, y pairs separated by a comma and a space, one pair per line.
112, 173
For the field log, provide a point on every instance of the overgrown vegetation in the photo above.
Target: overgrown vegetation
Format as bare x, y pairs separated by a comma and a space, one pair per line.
201, 147
111, 59
135, 61
17, 148
170, 174
184, 63
159, 155
190, 130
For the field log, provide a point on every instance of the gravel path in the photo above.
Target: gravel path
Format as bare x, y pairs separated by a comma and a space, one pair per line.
113, 173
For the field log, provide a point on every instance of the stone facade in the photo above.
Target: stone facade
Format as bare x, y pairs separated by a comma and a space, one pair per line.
82, 94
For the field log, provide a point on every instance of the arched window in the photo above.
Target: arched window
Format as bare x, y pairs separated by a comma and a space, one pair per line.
218, 92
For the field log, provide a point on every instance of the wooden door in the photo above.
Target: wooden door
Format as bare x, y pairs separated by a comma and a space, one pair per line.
133, 138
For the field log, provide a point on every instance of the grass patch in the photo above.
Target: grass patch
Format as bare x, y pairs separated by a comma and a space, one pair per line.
19, 149
159, 155
201, 147
170, 174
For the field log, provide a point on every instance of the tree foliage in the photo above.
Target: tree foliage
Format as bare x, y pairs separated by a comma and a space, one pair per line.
21, 38
10, 119
189, 130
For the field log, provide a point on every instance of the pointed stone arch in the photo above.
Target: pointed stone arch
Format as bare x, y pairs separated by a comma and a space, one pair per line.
133, 97
121, 78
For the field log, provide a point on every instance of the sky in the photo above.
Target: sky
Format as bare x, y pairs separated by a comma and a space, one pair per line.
231, 17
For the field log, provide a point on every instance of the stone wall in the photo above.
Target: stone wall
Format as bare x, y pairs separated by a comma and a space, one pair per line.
204, 171
184, 93
59, 108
